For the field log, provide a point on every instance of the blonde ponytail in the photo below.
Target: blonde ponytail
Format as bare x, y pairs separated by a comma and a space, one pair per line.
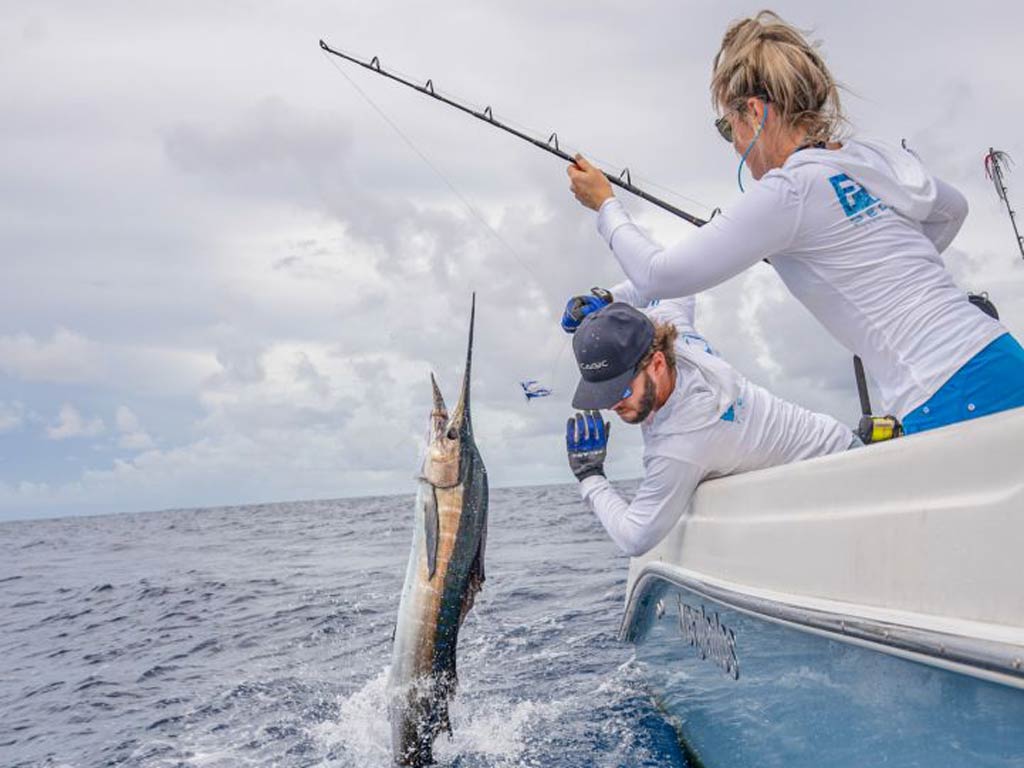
764, 56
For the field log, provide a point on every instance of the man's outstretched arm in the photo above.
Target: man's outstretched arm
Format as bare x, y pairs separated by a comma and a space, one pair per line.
663, 495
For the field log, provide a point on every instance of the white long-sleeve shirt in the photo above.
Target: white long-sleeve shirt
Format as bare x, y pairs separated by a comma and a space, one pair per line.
855, 235
714, 423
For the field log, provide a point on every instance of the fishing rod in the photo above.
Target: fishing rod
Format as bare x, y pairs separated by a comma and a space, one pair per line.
622, 181
994, 162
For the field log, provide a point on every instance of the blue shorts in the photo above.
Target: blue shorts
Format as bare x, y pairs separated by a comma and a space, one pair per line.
991, 381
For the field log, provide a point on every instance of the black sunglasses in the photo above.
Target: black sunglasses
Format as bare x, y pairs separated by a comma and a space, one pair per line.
723, 125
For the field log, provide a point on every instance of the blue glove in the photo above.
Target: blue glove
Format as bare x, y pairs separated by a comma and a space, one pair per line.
586, 440
579, 307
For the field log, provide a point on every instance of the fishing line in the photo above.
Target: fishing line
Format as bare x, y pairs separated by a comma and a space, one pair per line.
469, 206
551, 145
479, 107
558, 359
462, 198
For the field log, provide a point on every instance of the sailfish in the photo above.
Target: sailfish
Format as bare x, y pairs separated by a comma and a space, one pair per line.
445, 571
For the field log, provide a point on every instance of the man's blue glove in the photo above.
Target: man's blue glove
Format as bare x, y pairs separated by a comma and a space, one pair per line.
586, 440
579, 307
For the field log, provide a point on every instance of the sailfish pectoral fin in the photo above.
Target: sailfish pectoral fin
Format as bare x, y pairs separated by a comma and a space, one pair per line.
431, 523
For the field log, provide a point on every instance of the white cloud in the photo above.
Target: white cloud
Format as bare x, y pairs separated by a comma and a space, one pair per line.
65, 357
71, 424
68, 357
12, 416
126, 420
132, 436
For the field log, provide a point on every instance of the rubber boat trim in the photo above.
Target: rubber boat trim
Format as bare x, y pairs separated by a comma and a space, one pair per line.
986, 659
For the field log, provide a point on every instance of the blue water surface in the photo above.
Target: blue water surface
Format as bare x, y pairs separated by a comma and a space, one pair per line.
261, 636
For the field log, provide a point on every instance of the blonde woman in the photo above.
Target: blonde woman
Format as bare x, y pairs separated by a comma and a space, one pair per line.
854, 228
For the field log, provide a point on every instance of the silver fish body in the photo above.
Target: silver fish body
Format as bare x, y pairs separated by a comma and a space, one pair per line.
445, 571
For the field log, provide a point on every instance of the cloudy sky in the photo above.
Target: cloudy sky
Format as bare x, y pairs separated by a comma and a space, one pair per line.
226, 276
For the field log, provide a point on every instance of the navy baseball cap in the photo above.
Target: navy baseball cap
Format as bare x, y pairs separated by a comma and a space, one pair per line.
608, 345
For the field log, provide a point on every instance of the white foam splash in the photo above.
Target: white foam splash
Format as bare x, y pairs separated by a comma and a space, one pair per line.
362, 733
496, 730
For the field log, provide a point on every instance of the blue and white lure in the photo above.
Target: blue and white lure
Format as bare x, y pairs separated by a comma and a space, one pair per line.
532, 389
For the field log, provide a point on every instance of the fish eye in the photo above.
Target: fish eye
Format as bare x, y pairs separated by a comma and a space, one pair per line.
453, 433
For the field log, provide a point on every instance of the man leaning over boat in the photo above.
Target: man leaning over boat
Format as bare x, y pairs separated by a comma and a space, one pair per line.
700, 417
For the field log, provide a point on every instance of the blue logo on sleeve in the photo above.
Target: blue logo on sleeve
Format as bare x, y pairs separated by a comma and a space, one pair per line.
858, 204
698, 341
734, 412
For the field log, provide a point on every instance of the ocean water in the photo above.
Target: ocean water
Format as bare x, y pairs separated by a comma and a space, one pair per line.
261, 636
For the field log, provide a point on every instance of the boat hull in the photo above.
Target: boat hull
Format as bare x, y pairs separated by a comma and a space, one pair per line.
855, 609
744, 689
